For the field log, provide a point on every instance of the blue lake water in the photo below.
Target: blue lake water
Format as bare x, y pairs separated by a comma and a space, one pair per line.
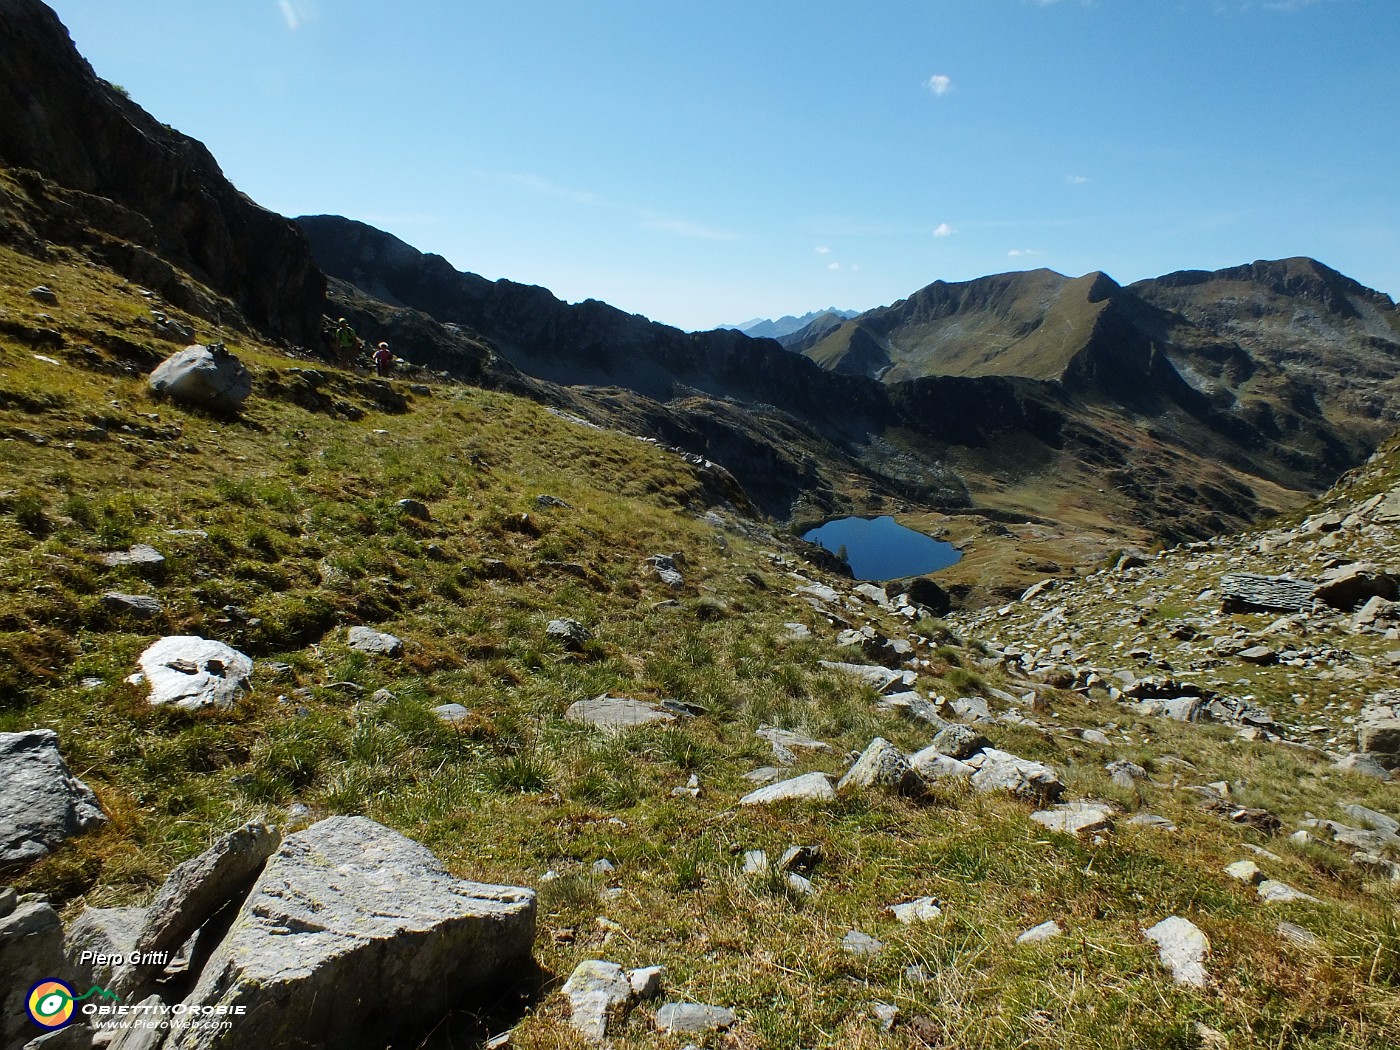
882, 549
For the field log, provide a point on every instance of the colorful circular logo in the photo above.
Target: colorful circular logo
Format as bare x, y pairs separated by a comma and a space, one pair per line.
51, 1004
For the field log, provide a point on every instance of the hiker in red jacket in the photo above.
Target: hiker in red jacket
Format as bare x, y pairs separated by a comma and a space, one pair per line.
383, 360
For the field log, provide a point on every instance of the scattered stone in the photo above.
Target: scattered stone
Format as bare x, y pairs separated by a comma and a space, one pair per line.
1296, 934
1046, 931
885, 1014
756, 862
192, 672
959, 741
1094, 736
1348, 586
933, 765
44, 294
1076, 818
452, 714
884, 767
1378, 735
1151, 820
349, 906
616, 713
1245, 871
1258, 654
547, 502
800, 884
810, 787
972, 709
691, 789
1369, 818
667, 569
881, 679
137, 606
140, 555
763, 775
1125, 774
603, 866
795, 632
1274, 892
800, 859
416, 509
1002, 771
693, 1017
922, 909
599, 994
1182, 948
786, 744
377, 643
204, 376
858, 943
1250, 592
571, 634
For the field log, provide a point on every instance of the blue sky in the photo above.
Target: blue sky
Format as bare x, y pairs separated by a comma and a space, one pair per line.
710, 162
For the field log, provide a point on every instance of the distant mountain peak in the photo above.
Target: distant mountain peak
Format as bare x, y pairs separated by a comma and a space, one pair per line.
764, 328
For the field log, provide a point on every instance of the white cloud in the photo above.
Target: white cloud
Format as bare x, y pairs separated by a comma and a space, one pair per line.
940, 84
686, 228
822, 249
1076, 180
1017, 253
834, 266
296, 13
944, 230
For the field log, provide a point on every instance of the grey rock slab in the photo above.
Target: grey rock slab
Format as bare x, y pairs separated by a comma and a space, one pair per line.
103, 933
377, 643
344, 911
206, 376
972, 709
882, 767
1003, 771
599, 994
1370, 818
921, 909
1124, 773
881, 679
1271, 891
201, 886
667, 569
1046, 931
693, 1017
41, 801
192, 672
959, 741
1076, 818
1151, 820
140, 554
786, 743
616, 713
932, 764
571, 634
646, 981
795, 632
1245, 871
755, 862
810, 787
857, 943
452, 714
1296, 934
9, 900
1183, 948
31, 948
412, 508
137, 606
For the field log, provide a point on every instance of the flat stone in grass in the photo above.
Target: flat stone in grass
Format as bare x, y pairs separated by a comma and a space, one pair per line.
1362, 765
452, 714
693, 1017
881, 679
959, 741
192, 672
1003, 771
931, 764
616, 713
377, 643
785, 743
1075, 818
599, 994
810, 787
1046, 931
1182, 948
1271, 891
41, 801
137, 606
858, 943
571, 634
922, 909
139, 555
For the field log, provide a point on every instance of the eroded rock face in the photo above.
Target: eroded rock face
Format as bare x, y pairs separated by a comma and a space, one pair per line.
348, 922
41, 802
150, 186
208, 377
192, 672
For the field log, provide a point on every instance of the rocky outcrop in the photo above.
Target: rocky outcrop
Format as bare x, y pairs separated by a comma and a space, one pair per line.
41, 802
169, 197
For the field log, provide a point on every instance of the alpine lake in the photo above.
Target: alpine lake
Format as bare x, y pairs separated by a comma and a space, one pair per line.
882, 549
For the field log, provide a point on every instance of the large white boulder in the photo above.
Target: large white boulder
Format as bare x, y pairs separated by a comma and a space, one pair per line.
206, 376
192, 672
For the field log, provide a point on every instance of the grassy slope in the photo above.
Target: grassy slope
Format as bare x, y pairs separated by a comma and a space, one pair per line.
303, 534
